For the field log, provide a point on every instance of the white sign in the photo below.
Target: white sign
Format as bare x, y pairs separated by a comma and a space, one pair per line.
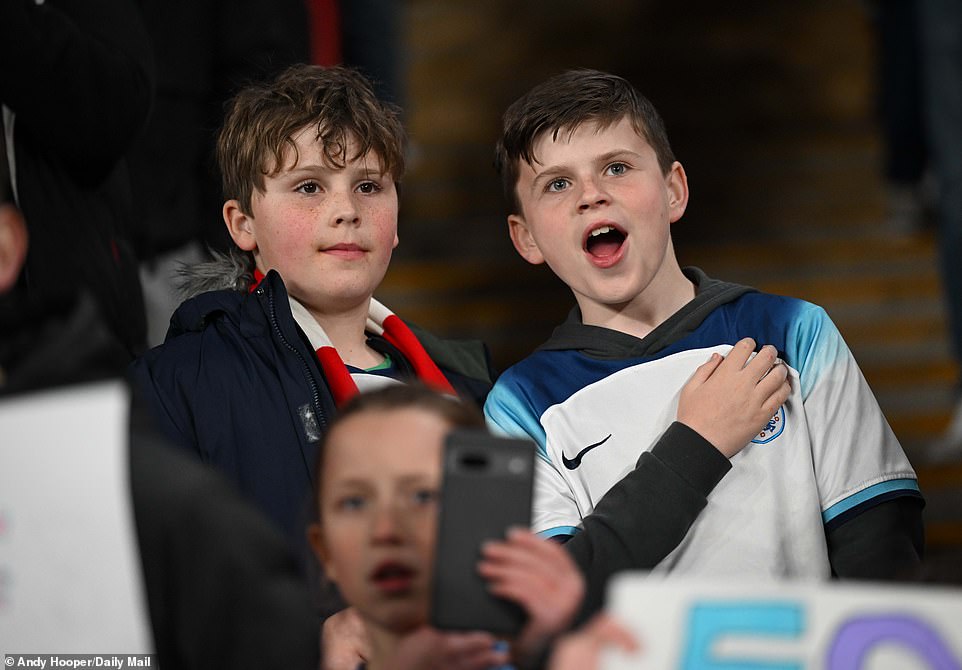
751, 625
70, 575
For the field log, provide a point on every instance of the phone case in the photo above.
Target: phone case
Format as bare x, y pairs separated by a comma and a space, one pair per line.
486, 489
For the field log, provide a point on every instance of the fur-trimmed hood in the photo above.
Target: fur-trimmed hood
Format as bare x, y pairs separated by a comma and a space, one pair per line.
233, 270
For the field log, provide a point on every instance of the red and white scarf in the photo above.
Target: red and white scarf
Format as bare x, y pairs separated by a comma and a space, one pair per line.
380, 321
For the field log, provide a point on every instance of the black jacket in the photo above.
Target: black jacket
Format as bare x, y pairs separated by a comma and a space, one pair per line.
78, 77
238, 384
205, 50
222, 588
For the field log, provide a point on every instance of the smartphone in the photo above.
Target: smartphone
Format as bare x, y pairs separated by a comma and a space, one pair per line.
486, 489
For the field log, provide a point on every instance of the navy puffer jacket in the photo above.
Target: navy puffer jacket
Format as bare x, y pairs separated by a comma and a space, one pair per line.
237, 383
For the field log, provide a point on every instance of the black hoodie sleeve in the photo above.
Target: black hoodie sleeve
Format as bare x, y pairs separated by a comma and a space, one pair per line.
882, 542
647, 514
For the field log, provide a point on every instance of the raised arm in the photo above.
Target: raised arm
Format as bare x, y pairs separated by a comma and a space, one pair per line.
642, 518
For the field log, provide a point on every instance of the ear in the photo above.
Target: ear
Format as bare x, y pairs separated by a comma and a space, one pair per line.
240, 226
13, 246
676, 182
523, 240
315, 536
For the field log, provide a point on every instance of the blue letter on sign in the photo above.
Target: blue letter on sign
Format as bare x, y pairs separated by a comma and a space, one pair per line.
711, 622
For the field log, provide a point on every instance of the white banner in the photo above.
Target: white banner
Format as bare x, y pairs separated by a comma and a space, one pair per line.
751, 625
70, 574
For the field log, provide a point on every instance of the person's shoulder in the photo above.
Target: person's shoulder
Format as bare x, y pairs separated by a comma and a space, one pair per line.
782, 308
537, 374
803, 331
197, 313
714, 293
205, 329
470, 358
215, 290
529, 366
552, 357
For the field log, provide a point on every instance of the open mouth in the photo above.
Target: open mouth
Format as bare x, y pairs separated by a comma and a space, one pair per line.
604, 241
393, 577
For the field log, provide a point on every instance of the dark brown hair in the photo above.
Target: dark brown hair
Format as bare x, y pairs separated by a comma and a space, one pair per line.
338, 102
561, 104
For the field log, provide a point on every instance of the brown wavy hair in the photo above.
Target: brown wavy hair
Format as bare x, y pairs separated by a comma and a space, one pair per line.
338, 102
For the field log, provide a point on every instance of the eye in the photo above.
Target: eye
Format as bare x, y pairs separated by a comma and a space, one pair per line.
556, 185
350, 503
369, 187
616, 169
424, 497
308, 187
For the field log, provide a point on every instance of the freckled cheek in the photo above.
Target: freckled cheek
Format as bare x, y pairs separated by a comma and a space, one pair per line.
296, 233
384, 219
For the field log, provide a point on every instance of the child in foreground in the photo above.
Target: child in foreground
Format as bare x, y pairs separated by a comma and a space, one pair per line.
378, 482
824, 489
728, 399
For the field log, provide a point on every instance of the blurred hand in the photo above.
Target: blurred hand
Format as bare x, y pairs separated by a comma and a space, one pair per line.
344, 641
13, 245
541, 577
430, 649
581, 650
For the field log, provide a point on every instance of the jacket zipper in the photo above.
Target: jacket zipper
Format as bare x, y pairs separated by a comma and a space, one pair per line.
321, 418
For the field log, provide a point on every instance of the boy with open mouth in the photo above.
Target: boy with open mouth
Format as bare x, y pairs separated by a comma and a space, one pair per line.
823, 489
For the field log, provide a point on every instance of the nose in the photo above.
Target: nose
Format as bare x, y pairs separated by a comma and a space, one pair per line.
344, 210
593, 194
387, 525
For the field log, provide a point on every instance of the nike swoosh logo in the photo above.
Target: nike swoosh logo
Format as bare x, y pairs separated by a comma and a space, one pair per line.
573, 463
